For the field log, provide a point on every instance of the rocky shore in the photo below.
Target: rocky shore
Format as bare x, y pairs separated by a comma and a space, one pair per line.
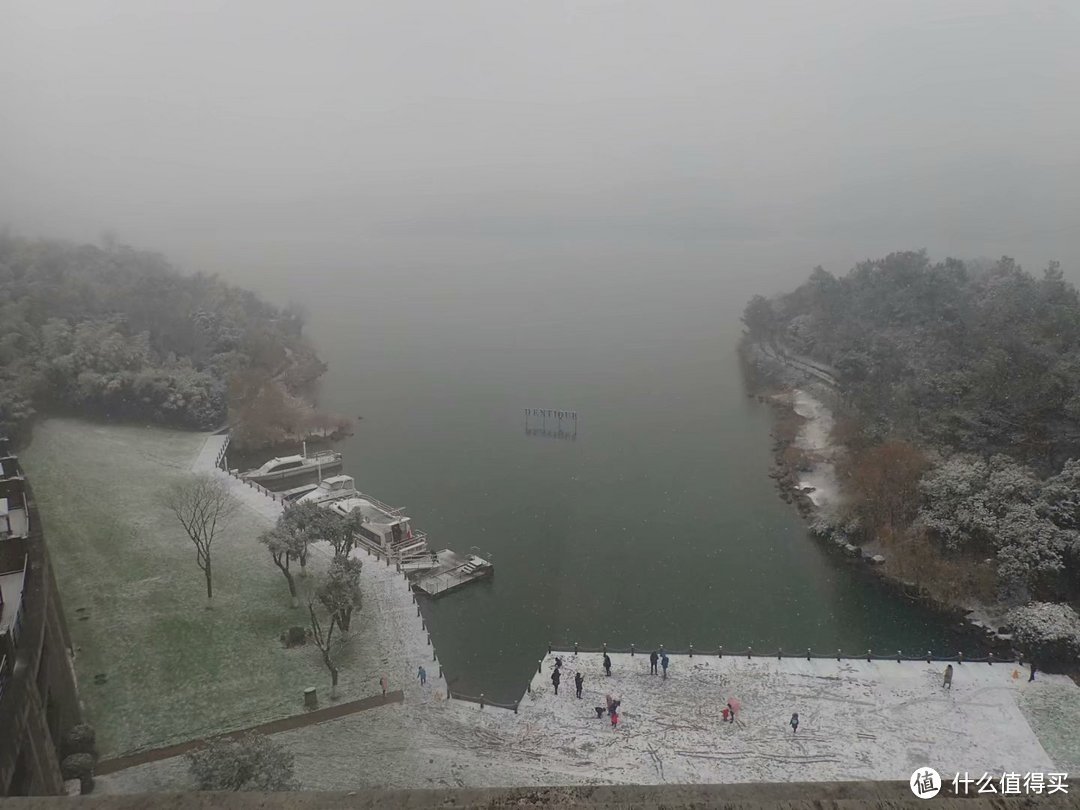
805, 472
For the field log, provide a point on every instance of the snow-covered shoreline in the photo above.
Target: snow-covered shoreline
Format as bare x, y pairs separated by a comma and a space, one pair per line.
814, 438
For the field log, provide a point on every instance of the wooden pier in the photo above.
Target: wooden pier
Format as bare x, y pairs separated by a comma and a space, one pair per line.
452, 572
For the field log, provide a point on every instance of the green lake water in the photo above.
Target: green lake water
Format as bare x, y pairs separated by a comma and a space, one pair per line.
659, 524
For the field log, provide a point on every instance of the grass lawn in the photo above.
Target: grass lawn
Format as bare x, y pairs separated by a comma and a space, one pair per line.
136, 601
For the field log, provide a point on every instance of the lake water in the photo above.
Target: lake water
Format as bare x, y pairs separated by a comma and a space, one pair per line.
659, 524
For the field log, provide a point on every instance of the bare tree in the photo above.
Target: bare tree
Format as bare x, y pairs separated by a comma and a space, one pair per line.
323, 641
202, 505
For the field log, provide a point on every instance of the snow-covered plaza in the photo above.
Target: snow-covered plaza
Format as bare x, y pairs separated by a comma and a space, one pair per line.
859, 721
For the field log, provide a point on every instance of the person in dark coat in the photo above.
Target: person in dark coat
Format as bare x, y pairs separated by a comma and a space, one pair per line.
664, 663
1032, 671
794, 723
947, 683
579, 679
607, 664
599, 712
653, 659
556, 676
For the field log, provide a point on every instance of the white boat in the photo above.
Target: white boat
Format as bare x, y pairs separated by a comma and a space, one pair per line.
380, 527
290, 466
330, 489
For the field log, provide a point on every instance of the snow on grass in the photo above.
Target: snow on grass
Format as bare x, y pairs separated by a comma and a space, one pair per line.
859, 720
173, 669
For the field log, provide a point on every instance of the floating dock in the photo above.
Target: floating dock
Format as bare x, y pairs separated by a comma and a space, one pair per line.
452, 572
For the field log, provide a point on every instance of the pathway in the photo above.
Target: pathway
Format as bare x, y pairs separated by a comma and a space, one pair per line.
273, 727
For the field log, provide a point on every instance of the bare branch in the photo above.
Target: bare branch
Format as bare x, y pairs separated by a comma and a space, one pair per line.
201, 504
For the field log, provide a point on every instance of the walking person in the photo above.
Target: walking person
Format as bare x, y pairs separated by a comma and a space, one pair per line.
1032, 671
382, 683
607, 664
614, 721
794, 723
731, 708
664, 661
579, 679
947, 683
653, 659
422, 675
556, 676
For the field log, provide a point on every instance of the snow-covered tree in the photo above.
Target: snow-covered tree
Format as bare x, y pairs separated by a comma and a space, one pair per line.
285, 547
1047, 631
340, 591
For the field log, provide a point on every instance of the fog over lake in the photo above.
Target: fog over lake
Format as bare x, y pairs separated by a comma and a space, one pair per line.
485, 207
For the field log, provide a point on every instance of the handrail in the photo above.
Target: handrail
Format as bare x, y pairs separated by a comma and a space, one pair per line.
483, 701
393, 511
780, 653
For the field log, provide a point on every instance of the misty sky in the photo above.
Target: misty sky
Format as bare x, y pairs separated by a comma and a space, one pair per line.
253, 136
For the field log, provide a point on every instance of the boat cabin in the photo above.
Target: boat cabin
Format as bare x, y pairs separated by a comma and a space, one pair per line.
336, 486
376, 526
279, 465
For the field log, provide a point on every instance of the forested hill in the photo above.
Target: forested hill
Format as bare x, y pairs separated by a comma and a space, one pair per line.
981, 358
119, 334
960, 431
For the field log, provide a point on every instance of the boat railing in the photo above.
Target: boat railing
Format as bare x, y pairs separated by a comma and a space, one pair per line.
395, 511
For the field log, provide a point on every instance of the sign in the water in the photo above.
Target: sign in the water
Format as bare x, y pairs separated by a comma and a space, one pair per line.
552, 423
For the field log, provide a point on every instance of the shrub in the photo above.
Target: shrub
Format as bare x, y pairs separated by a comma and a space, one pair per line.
250, 762
80, 739
295, 636
1049, 632
81, 767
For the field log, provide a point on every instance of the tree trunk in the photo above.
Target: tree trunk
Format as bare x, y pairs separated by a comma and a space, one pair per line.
333, 681
292, 588
209, 585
